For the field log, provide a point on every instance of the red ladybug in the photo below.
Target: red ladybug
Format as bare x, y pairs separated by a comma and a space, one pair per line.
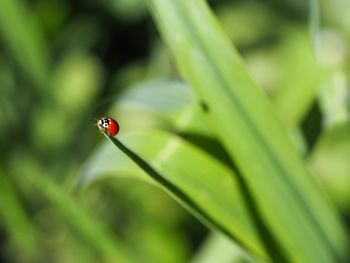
109, 125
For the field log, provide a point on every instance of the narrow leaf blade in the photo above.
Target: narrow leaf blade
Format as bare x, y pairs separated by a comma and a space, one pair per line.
303, 222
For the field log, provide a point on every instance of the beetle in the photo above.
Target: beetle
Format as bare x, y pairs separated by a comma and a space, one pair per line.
109, 125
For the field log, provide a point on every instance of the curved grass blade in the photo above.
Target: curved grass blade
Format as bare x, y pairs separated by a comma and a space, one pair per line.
201, 183
298, 216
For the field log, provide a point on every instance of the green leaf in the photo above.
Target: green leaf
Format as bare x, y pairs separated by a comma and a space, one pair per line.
334, 101
109, 247
23, 37
203, 184
87, 228
165, 103
18, 227
159, 101
299, 219
330, 161
300, 84
218, 248
128, 10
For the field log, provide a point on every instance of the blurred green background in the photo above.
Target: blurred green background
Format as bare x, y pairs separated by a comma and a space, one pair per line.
65, 63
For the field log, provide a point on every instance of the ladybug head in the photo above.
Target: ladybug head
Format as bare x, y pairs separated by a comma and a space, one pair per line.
103, 122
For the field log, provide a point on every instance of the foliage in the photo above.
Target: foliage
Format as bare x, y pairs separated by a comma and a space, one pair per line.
234, 125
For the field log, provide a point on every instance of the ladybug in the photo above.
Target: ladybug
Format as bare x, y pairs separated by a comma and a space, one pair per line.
109, 125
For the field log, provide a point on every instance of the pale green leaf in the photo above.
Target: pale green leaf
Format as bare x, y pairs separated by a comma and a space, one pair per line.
303, 224
201, 183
